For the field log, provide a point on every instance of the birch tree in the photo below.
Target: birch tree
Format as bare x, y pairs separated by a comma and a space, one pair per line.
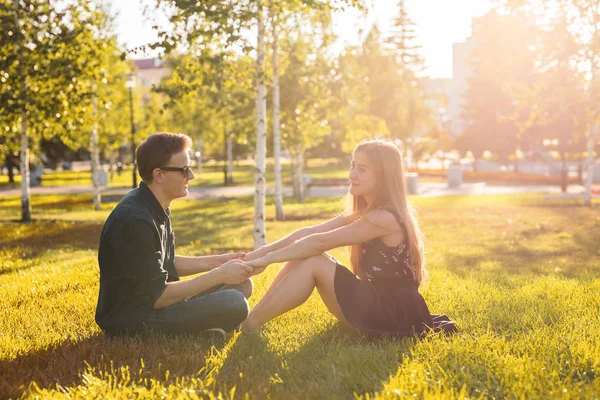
43, 78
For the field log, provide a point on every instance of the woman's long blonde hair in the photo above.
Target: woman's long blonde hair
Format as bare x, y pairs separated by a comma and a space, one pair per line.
390, 193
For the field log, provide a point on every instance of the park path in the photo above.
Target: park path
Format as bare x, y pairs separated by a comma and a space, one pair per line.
426, 189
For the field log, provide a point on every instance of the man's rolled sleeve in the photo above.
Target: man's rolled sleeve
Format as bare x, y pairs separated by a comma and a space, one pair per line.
140, 257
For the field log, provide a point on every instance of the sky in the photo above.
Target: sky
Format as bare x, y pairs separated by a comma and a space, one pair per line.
438, 24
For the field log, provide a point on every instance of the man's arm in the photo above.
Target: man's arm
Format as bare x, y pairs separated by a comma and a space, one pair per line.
194, 265
301, 233
231, 273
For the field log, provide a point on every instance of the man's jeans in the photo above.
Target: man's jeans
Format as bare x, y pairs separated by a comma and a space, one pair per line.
223, 306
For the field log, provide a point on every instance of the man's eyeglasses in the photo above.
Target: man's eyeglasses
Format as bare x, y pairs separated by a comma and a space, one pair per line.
187, 170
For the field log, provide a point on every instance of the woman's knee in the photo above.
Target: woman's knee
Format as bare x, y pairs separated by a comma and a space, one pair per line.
319, 262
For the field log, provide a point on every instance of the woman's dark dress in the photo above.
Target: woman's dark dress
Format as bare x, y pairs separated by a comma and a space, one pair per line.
388, 302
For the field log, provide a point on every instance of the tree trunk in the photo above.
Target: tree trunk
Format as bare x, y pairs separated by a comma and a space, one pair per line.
111, 161
259, 232
230, 160
277, 133
95, 158
200, 152
294, 176
564, 174
299, 175
590, 167
225, 177
25, 204
10, 165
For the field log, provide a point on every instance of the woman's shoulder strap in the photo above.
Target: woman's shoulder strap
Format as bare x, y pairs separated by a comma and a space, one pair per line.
395, 214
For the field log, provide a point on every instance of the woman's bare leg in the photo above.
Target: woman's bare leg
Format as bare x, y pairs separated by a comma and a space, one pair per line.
284, 271
294, 288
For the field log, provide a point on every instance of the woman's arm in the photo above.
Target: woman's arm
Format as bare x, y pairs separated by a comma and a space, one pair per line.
327, 226
376, 224
193, 265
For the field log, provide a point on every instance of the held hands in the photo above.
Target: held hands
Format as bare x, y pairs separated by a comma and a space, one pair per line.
234, 272
256, 254
259, 265
223, 258
261, 262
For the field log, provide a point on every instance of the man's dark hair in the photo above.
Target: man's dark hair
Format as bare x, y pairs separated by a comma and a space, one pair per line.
156, 151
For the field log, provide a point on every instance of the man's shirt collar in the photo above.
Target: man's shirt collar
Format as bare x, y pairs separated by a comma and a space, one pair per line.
155, 206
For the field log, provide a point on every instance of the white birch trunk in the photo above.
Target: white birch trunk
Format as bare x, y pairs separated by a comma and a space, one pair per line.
259, 232
95, 157
592, 56
200, 149
587, 201
230, 160
277, 131
300, 174
25, 203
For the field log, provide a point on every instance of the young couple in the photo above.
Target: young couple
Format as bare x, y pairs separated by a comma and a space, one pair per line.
139, 272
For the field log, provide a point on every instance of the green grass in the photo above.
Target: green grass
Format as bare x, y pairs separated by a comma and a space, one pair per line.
519, 275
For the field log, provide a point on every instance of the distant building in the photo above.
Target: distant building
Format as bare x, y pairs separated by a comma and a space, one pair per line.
462, 72
151, 71
459, 85
439, 94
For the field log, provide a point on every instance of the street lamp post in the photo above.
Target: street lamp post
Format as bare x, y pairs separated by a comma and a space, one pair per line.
130, 84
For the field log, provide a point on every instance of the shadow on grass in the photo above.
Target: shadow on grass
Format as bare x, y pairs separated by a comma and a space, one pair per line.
335, 363
146, 357
46, 235
517, 259
566, 246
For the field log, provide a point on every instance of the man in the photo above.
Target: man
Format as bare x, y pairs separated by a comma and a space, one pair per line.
139, 271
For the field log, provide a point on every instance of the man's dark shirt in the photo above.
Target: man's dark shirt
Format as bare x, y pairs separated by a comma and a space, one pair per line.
136, 258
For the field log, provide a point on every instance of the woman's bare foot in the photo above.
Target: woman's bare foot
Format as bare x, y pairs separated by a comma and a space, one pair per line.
248, 326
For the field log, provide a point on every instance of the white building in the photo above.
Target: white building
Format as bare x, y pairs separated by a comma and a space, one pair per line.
459, 85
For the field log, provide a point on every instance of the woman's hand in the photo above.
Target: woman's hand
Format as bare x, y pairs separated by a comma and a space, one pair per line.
256, 254
261, 262
223, 258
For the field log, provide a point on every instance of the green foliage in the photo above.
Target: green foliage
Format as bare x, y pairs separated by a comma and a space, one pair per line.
535, 77
523, 290
48, 68
304, 94
503, 58
211, 95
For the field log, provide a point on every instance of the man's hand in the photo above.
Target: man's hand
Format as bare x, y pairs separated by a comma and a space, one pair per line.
234, 272
223, 258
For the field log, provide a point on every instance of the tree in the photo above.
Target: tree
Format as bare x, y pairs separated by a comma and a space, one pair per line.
569, 53
413, 116
44, 73
275, 14
304, 104
504, 57
222, 24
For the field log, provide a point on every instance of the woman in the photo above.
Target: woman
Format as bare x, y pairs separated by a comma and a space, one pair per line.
381, 297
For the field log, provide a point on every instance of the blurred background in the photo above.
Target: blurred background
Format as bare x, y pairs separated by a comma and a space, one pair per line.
504, 88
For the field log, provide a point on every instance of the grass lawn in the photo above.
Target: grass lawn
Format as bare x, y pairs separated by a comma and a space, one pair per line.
520, 275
